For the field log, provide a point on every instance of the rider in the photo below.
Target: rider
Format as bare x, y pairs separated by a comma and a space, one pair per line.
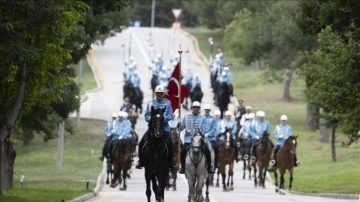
192, 123
163, 79
132, 117
159, 63
209, 128
122, 129
135, 79
188, 77
281, 133
230, 124
247, 129
239, 111
196, 83
158, 102
126, 105
110, 125
260, 125
247, 111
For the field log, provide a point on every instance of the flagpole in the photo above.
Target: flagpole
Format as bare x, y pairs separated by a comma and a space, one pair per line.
179, 89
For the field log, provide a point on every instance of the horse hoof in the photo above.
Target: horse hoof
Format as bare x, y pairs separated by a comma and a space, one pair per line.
217, 185
107, 182
231, 188
174, 189
123, 189
113, 185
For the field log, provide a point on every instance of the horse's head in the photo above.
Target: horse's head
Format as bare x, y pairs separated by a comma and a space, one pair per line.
265, 137
196, 142
291, 144
228, 137
156, 124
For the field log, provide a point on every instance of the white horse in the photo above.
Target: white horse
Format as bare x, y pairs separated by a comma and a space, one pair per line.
196, 168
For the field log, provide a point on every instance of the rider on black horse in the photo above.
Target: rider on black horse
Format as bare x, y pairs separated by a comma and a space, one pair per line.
159, 102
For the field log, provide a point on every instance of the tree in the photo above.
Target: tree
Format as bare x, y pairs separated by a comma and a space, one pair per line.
332, 72
268, 34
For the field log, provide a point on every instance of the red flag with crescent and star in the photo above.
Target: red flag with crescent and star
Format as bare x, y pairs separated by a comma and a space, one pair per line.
173, 89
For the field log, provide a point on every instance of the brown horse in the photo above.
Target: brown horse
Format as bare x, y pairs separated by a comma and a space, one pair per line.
244, 149
263, 155
285, 161
121, 161
173, 172
226, 157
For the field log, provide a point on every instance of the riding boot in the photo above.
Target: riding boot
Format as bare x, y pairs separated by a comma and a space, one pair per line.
211, 169
182, 161
296, 162
253, 153
170, 146
272, 161
103, 153
108, 152
140, 162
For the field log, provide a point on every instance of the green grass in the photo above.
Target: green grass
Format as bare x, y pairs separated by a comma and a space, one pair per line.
88, 81
318, 174
37, 162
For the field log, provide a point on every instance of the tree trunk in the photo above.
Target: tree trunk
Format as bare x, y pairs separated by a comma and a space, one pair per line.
333, 152
288, 80
324, 131
60, 147
312, 117
258, 64
7, 159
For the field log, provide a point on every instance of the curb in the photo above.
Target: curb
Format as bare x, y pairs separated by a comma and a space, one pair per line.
97, 189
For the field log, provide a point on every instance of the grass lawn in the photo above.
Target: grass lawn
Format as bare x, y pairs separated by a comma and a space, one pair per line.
318, 174
37, 162
88, 81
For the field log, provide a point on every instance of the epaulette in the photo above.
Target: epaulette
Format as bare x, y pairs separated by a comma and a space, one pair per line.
166, 99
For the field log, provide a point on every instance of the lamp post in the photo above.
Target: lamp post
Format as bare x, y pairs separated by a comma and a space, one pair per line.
210, 39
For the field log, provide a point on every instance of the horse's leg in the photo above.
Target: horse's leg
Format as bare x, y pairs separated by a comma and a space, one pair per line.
154, 186
291, 172
217, 179
207, 182
148, 188
174, 174
255, 177
114, 181
124, 176
191, 190
244, 169
231, 175
282, 180
249, 169
276, 180
223, 180
265, 169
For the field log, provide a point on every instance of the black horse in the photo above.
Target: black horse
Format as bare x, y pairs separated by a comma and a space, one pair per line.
223, 97
155, 155
196, 94
135, 95
185, 105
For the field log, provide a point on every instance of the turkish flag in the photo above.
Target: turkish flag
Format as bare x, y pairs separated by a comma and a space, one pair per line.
173, 89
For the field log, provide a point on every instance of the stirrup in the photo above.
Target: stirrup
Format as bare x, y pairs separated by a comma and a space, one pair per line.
139, 165
272, 162
253, 158
297, 163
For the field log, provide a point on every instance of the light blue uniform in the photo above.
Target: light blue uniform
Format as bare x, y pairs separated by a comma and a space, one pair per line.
219, 128
188, 77
168, 114
136, 81
281, 133
122, 129
229, 124
209, 127
259, 127
110, 125
196, 82
247, 129
173, 123
225, 79
159, 63
191, 123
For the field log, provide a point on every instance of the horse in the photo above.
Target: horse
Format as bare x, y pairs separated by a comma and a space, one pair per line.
122, 154
188, 85
135, 95
285, 161
153, 83
223, 97
196, 168
226, 157
244, 149
155, 155
173, 172
196, 94
263, 155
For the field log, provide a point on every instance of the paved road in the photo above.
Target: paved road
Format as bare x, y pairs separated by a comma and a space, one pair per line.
107, 60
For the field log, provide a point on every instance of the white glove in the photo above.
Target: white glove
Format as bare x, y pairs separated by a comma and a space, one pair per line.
257, 137
113, 131
120, 137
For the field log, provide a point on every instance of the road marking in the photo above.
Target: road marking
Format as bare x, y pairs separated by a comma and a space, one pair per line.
142, 50
103, 77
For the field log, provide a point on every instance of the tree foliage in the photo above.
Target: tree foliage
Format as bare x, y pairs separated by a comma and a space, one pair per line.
332, 73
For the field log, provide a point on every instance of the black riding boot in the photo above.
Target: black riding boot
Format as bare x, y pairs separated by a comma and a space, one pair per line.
211, 169
170, 146
182, 161
109, 147
253, 153
140, 162
296, 162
